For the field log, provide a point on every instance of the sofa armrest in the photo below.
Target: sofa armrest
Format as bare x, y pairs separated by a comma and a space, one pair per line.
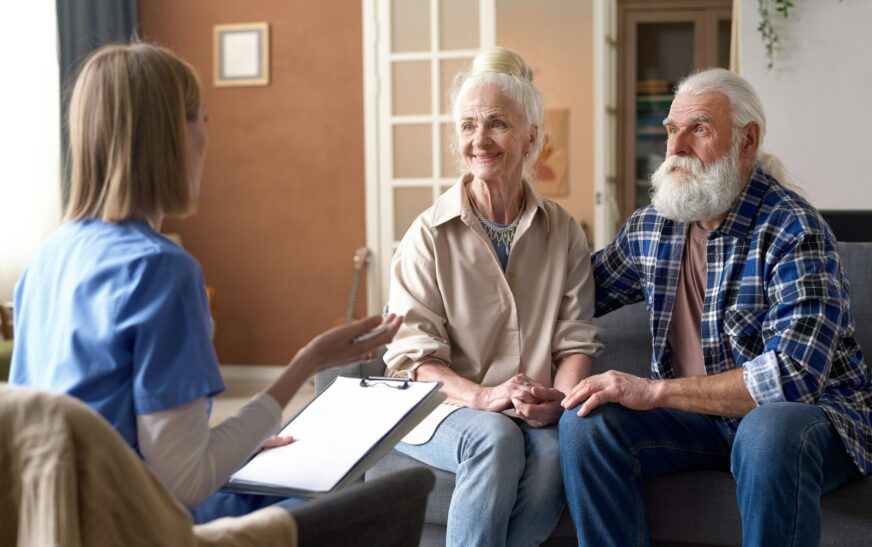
388, 511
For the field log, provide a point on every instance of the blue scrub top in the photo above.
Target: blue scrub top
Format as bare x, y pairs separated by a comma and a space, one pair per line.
115, 315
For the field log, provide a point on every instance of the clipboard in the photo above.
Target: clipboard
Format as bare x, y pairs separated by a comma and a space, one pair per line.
338, 436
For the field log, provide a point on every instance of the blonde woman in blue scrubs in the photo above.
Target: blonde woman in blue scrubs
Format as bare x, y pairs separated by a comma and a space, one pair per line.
113, 313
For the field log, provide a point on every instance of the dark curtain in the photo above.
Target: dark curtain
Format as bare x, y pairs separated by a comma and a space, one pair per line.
83, 26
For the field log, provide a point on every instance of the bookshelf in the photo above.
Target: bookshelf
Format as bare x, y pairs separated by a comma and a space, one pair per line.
662, 41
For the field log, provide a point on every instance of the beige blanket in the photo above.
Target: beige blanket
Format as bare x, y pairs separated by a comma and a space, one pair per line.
67, 479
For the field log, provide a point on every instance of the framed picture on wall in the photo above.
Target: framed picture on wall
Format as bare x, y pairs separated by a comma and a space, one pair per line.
552, 164
241, 54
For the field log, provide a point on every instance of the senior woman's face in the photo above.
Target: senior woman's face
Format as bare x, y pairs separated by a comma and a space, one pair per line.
493, 136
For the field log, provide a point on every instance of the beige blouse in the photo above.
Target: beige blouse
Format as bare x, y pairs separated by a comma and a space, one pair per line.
461, 309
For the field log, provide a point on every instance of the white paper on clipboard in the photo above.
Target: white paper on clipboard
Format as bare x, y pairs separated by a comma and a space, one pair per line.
340, 434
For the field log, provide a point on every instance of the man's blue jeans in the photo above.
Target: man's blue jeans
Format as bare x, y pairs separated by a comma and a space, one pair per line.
783, 456
508, 489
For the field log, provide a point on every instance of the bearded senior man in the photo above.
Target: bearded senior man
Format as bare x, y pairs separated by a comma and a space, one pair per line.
755, 367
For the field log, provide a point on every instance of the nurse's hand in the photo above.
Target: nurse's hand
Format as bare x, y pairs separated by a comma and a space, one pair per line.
275, 441
332, 348
337, 346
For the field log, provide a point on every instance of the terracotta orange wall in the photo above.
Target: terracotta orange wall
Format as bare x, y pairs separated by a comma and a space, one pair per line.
282, 204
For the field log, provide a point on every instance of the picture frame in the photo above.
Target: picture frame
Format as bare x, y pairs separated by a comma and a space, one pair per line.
241, 54
552, 165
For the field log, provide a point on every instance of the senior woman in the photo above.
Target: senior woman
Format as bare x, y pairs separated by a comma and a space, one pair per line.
495, 285
113, 313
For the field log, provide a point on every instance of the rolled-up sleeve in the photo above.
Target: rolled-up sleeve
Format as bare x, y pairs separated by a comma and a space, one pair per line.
574, 330
801, 327
763, 379
415, 295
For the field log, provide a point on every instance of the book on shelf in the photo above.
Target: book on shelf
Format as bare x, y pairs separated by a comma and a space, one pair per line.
653, 102
651, 130
651, 118
651, 87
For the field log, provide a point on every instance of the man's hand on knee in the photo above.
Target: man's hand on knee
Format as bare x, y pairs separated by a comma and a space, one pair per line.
612, 387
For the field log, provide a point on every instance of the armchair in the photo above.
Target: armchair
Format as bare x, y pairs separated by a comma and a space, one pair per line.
69, 479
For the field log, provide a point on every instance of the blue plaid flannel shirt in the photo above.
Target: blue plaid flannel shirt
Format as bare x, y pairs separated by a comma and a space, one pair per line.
776, 304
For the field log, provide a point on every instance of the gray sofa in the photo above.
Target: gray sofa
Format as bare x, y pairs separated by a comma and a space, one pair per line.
687, 508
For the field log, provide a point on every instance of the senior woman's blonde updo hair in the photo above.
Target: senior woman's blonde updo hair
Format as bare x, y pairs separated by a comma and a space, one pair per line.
505, 69
502, 60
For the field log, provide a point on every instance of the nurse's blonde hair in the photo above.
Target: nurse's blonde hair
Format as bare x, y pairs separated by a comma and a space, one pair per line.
128, 144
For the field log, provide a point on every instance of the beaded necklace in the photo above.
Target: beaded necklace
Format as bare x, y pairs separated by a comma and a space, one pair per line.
502, 234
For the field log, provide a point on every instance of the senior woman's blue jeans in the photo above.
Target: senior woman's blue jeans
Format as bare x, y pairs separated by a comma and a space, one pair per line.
783, 456
508, 489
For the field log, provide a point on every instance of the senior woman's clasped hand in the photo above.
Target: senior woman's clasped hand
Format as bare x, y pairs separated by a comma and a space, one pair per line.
534, 403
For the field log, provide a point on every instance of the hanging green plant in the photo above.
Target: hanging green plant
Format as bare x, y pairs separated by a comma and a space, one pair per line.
766, 29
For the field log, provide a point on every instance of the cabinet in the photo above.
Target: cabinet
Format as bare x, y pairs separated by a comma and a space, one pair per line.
661, 42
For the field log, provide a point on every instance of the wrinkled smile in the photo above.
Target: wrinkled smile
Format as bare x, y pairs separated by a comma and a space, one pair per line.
485, 156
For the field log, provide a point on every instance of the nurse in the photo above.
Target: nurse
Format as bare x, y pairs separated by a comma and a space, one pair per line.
113, 313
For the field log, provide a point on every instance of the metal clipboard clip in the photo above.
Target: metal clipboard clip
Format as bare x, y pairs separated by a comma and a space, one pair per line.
396, 383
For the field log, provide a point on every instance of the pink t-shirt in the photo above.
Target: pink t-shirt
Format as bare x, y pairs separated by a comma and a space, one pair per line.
684, 337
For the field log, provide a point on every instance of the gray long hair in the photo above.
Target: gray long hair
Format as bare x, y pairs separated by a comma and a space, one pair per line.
745, 106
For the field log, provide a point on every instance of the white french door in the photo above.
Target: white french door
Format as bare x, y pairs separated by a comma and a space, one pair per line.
607, 208
412, 51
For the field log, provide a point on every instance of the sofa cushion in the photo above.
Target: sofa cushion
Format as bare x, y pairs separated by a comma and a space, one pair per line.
857, 261
626, 334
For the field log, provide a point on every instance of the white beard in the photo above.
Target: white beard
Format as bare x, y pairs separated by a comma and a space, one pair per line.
700, 192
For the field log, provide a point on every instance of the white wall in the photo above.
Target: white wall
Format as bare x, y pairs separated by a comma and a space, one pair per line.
818, 97
29, 135
555, 38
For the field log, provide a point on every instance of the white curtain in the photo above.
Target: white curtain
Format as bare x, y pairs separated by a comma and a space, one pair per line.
30, 158
736, 38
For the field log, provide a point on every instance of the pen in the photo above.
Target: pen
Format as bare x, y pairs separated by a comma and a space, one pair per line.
371, 334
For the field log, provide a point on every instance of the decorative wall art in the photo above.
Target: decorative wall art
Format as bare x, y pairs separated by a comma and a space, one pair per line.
241, 54
552, 165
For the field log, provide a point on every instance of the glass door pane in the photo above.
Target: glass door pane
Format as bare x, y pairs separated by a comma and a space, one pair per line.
458, 24
411, 88
417, 48
665, 54
413, 152
410, 25
725, 34
448, 71
433, 41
